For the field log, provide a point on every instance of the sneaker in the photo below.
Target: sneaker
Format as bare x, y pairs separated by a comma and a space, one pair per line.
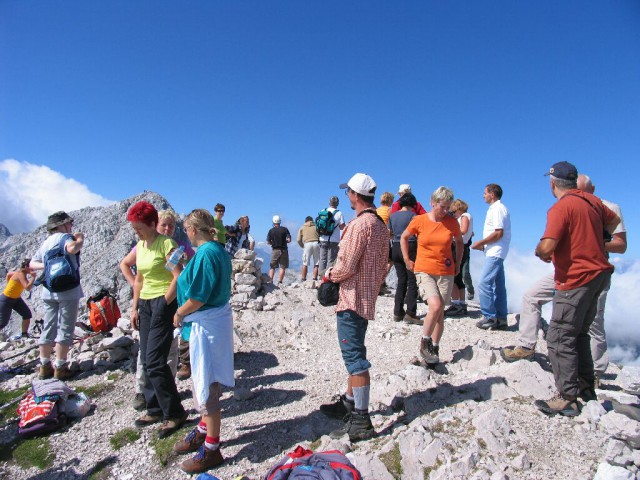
559, 405
63, 372
184, 373
192, 442
587, 392
428, 352
412, 319
202, 461
518, 353
146, 420
170, 425
358, 426
139, 403
46, 371
339, 409
486, 323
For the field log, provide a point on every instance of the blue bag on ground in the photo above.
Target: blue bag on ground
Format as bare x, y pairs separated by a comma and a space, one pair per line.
302, 464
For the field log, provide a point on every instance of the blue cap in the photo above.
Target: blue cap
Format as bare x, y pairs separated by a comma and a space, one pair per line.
563, 170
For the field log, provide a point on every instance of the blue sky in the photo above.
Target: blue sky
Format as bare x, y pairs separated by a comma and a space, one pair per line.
268, 106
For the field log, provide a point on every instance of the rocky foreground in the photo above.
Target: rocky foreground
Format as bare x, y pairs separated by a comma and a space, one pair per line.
472, 417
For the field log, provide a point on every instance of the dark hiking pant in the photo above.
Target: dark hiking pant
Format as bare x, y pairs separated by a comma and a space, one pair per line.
407, 289
156, 335
568, 339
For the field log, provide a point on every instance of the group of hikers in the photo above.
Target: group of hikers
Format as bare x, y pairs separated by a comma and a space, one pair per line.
428, 249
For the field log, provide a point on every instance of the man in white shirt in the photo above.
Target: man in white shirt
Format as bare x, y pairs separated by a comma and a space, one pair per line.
491, 289
329, 243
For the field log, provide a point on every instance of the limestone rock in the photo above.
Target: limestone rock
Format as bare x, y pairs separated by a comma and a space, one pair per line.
493, 428
618, 453
629, 379
621, 427
611, 472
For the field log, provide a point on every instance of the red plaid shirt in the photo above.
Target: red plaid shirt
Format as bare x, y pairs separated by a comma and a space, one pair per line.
362, 264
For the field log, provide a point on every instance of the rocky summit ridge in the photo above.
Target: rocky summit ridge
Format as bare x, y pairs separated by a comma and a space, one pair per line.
470, 418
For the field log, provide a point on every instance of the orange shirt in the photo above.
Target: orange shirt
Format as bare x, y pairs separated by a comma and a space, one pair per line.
435, 255
384, 212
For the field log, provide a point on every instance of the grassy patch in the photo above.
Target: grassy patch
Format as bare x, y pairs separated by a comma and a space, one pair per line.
124, 437
426, 473
164, 446
113, 376
315, 444
35, 452
96, 390
392, 460
7, 396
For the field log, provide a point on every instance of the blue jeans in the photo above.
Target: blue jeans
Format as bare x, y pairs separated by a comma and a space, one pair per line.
352, 329
491, 289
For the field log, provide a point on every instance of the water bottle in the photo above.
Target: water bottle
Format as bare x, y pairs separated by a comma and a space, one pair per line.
174, 259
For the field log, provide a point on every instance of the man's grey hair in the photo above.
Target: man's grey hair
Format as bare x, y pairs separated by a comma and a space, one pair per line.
587, 184
564, 184
442, 194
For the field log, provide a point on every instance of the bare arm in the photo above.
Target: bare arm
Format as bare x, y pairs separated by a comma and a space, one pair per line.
188, 307
74, 246
170, 296
404, 246
137, 287
545, 249
618, 243
464, 225
492, 238
125, 267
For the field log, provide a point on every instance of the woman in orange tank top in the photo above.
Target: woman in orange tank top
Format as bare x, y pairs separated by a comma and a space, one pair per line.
10, 299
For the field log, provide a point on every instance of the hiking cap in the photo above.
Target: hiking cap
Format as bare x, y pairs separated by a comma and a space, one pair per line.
404, 188
276, 219
563, 170
361, 183
57, 219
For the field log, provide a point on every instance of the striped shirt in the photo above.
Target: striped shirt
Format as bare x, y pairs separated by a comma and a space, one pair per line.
362, 264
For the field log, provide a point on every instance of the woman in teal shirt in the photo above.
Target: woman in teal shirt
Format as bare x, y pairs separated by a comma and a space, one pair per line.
204, 290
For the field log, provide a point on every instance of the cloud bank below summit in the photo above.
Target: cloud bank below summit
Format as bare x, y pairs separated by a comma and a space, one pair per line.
30, 193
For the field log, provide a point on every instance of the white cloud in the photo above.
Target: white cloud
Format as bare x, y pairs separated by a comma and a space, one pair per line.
621, 312
29, 193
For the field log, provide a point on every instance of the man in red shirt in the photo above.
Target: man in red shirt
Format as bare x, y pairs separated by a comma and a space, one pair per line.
573, 240
360, 270
402, 191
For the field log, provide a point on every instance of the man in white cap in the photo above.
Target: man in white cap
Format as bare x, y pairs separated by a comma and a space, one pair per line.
403, 189
360, 270
278, 237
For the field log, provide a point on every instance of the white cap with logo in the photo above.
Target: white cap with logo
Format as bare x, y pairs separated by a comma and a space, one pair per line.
361, 183
404, 188
276, 219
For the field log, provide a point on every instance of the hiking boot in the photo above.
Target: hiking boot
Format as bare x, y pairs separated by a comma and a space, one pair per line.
202, 461
456, 310
486, 323
170, 425
358, 426
559, 405
518, 353
184, 373
46, 371
412, 319
63, 372
139, 403
192, 442
428, 352
587, 392
398, 318
339, 409
146, 420
501, 324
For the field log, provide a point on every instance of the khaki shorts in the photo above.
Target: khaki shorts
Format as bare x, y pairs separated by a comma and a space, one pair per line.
435, 286
279, 257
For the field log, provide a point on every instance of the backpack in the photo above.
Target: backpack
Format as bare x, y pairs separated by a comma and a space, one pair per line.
302, 464
39, 418
61, 272
325, 222
103, 311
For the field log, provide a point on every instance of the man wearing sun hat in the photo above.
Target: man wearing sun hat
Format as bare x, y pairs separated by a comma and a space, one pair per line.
573, 240
60, 308
360, 270
403, 189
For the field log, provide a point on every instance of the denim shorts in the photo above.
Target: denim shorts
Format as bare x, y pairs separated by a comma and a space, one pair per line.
352, 329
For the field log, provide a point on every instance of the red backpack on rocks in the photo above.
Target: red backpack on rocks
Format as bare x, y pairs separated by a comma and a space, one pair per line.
103, 311
302, 464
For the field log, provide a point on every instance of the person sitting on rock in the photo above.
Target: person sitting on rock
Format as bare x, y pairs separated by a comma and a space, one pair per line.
18, 281
204, 290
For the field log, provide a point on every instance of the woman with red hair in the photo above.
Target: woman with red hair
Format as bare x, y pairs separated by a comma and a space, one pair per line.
154, 305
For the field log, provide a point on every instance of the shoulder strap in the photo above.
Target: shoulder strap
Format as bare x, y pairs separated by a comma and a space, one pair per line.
369, 210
